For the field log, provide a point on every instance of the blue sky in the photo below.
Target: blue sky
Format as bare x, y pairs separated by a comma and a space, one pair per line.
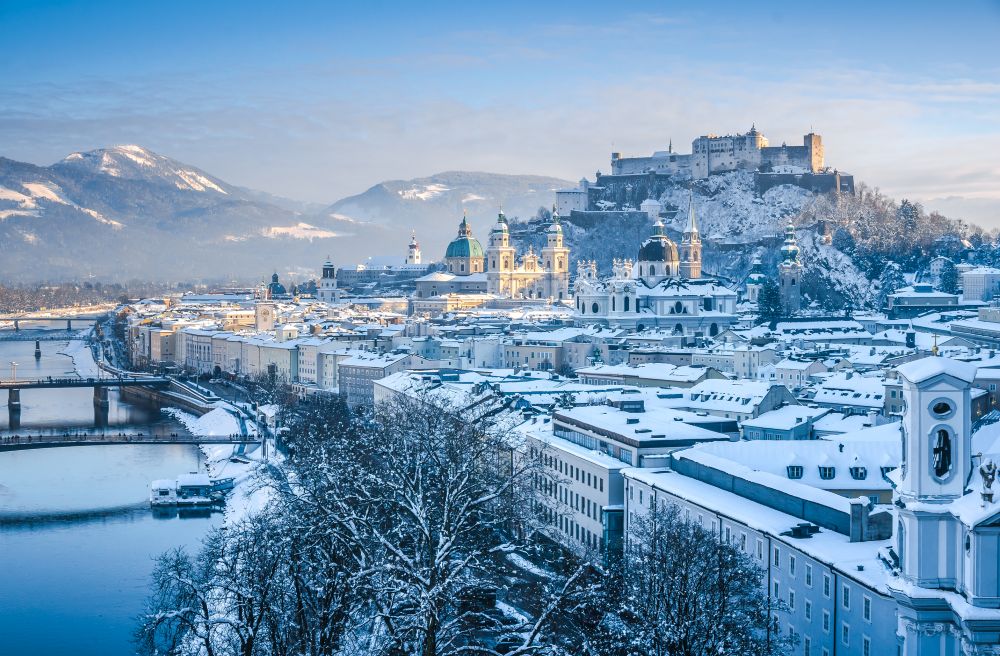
317, 100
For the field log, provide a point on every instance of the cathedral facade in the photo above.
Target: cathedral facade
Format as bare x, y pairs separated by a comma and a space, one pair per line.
664, 287
542, 275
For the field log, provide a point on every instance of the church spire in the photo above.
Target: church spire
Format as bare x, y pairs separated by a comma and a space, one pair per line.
692, 224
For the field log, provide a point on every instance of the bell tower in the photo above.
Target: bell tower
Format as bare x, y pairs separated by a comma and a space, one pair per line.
500, 258
690, 250
790, 273
555, 260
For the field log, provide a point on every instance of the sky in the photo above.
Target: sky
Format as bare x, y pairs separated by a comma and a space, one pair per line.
319, 100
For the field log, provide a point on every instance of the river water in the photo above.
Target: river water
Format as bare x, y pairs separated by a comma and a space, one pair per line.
77, 538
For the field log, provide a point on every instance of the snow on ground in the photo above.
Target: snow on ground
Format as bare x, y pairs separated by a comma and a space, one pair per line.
78, 350
468, 198
197, 182
298, 231
218, 422
521, 562
426, 192
246, 497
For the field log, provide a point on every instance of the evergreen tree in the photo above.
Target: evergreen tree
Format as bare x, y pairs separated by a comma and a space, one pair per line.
769, 301
889, 281
949, 278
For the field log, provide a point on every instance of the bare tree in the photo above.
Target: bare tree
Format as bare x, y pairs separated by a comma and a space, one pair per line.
680, 591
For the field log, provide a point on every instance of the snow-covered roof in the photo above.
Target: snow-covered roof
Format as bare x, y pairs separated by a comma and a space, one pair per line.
918, 371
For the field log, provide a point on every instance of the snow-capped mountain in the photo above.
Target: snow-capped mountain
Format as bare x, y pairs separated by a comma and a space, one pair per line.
432, 207
129, 212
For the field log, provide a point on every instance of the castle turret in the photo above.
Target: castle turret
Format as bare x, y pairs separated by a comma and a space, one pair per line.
790, 273
690, 252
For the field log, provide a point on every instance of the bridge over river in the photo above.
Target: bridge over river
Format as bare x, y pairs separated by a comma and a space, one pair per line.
46, 441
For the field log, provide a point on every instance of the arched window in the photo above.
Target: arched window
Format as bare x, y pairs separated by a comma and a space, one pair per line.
612, 303
713, 330
678, 307
678, 329
626, 303
594, 308
942, 453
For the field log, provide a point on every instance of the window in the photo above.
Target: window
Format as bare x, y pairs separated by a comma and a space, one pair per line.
942, 453
791, 565
809, 575
794, 471
808, 610
859, 473
791, 599
760, 549
776, 557
846, 600
827, 473
866, 646
728, 536
776, 587
826, 586
826, 621
866, 606
806, 646
845, 633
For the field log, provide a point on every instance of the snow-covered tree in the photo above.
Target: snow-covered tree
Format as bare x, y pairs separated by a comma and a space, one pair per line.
889, 281
949, 278
769, 301
680, 590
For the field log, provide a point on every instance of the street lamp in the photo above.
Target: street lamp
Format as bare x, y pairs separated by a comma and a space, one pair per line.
13, 371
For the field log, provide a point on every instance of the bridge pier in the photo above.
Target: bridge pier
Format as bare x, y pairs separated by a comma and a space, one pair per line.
14, 407
69, 324
38, 349
17, 325
101, 398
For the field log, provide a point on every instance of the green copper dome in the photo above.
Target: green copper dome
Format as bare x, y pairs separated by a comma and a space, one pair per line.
465, 245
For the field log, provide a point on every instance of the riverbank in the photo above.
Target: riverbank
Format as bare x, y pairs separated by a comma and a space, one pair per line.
78, 350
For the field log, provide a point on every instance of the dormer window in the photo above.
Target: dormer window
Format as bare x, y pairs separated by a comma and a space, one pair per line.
827, 473
886, 470
794, 471
859, 473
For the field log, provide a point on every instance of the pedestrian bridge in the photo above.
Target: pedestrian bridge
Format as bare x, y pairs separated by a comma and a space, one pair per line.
46, 441
17, 319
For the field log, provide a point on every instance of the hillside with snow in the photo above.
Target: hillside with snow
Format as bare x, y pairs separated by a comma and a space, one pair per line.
127, 212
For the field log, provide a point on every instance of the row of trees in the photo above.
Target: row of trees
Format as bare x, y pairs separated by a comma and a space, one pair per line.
404, 531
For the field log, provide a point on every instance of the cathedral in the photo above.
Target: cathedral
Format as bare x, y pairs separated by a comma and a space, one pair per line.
544, 275
497, 270
664, 287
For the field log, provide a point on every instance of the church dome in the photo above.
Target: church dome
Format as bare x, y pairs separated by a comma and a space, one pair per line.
465, 245
658, 247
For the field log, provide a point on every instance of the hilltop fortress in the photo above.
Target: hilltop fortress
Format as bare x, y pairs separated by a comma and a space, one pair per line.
634, 179
733, 152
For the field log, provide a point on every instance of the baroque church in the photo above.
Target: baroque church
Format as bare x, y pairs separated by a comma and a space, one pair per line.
498, 271
664, 287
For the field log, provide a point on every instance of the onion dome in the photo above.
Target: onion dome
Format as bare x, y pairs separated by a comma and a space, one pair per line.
756, 272
555, 226
658, 247
465, 245
501, 224
790, 249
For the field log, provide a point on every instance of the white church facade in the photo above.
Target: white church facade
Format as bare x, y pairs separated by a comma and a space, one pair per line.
662, 288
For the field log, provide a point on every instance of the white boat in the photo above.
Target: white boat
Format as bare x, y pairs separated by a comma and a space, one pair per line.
163, 492
188, 490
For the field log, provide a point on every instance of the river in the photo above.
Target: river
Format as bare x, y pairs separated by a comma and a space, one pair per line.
77, 538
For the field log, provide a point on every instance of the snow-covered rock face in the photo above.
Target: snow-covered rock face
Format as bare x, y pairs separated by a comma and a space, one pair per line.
137, 163
728, 208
